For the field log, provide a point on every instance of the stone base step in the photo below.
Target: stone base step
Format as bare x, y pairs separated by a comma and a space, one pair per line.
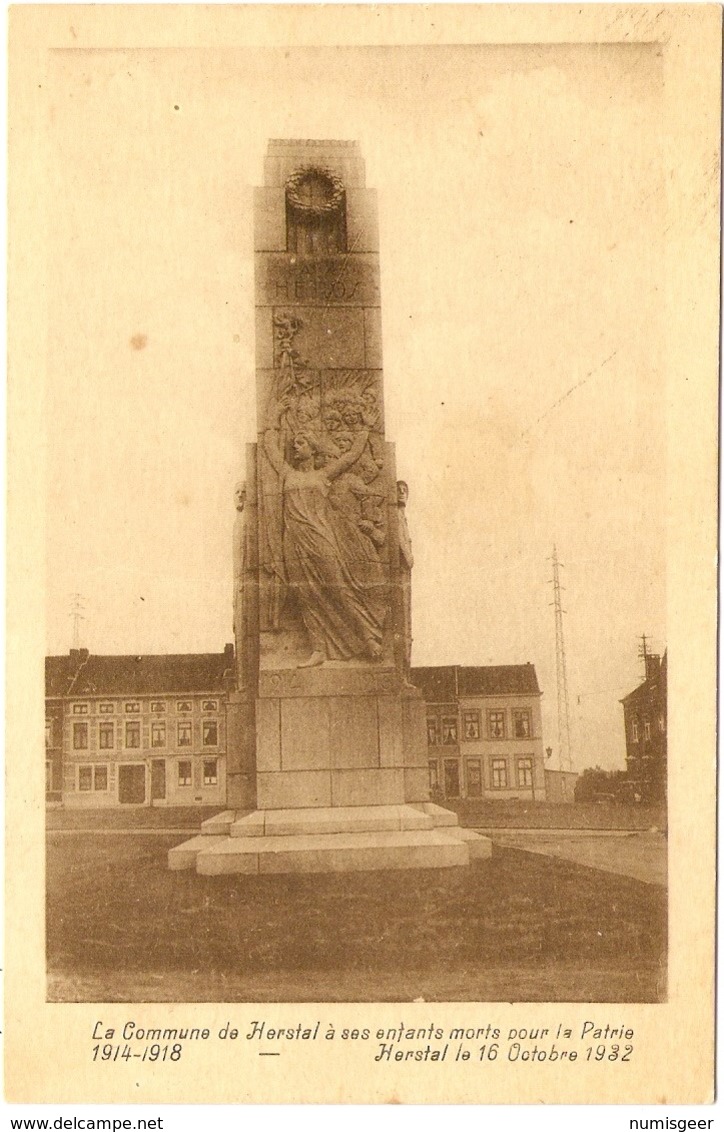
335, 852
219, 824
331, 839
331, 852
328, 819
184, 856
439, 814
332, 819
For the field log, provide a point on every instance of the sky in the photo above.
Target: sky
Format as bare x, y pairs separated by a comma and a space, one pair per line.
521, 205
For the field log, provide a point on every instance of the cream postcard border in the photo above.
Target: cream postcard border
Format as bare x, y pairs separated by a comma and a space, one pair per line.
47, 1045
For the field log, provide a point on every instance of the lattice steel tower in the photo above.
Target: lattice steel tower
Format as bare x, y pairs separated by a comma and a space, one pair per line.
564, 722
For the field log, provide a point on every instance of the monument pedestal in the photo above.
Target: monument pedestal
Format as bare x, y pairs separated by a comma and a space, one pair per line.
326, 737
331, 839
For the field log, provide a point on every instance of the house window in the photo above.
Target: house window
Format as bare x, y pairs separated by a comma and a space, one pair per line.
521, 723
85, 778
498, 774
210, 772
133, 733
432, 732
496, 724
449, 730
434, 775
471, 725
210, 733
100, 778
158, 733
105, 736
49, 733
647, 730
106, 709
133, 707
634, 731
80, 709
158, 707
183, 705
80, 736
475, 779
525, 772
210, 705
184, 734
184, 772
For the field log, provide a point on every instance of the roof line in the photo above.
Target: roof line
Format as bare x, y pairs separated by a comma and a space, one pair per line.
138, 695
78, 671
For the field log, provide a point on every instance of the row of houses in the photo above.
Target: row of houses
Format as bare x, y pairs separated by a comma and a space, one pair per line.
137, 730
151, 730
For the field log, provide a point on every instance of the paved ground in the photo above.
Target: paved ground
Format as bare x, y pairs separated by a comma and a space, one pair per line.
474, 813
642, 856
518, 813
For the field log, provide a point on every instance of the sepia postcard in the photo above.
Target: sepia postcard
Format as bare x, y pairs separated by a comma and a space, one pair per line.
362, 517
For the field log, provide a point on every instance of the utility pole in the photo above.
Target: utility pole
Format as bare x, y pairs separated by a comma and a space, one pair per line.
564, 723
76, 613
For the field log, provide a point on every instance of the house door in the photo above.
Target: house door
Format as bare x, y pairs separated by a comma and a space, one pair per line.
132, 784
158, 780
452, 778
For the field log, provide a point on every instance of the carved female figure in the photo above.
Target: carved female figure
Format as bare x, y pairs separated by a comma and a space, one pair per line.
340, 589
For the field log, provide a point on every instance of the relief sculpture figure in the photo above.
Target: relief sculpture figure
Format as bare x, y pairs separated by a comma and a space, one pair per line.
239, 559
239, 539
331, 566
406, 564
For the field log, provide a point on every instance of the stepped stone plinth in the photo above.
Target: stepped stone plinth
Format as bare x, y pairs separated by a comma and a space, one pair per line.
355, 838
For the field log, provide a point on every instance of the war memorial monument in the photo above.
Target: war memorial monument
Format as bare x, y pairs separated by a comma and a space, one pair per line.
326, 741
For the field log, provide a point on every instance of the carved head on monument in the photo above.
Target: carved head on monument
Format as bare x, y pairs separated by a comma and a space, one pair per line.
352, 416
305, 447
240, 496
403, 493
332, 420
344, 440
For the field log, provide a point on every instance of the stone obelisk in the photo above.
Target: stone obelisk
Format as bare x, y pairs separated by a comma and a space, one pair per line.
326, 737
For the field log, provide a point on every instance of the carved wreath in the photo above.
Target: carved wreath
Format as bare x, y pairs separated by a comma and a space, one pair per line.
316, 208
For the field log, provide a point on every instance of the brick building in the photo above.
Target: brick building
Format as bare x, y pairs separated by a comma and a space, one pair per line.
137, 730
56, 678
645, 722
484, 735
151, 730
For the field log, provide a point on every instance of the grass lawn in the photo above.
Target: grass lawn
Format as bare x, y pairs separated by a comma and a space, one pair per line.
518, 927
